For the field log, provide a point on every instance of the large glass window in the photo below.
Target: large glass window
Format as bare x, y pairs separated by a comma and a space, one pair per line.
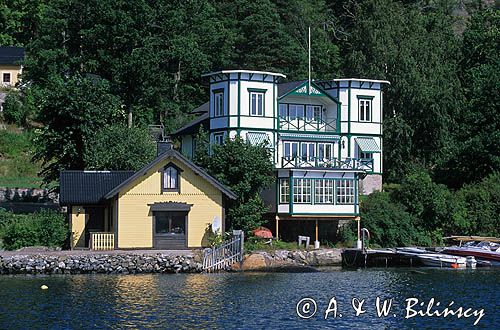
313, 113
295, 111
170, 178
283, 110
308, 151
291, 149
302, 190
345, 191
284, 191
324, 191
170, 223
218, 104
365, 110
325, 151
256, 104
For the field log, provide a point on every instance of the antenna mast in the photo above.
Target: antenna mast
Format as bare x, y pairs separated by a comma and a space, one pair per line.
309, 60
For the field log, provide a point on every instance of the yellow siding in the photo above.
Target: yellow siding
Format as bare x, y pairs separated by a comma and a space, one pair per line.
14, 71
78, 220
135, 221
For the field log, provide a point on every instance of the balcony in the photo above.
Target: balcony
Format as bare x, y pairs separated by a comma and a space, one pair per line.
331, 163
307, 125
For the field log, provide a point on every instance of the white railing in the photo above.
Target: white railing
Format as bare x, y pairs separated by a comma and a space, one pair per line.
222, 257
102, 241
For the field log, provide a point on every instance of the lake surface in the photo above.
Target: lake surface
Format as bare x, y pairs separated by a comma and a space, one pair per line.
247, 300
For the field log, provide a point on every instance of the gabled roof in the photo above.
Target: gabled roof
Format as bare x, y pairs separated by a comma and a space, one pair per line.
287, 87
88, 187
176, 155
300, 88
11, 55
193, 126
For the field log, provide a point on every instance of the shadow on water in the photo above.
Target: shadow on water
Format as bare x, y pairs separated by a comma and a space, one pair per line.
244, 300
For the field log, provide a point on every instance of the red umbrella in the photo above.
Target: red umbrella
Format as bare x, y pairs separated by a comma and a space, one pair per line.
262, 232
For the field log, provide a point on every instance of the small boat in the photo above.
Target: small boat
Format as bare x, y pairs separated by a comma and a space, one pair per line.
485, 253
434, 259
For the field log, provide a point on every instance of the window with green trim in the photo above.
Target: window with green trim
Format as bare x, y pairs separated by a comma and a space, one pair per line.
257, 104
219, 138
302, 191
284, 191
365, 110
324, 191
345, 191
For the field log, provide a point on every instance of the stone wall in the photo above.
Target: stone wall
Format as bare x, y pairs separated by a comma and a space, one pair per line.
98, 263
284, 259
371, 183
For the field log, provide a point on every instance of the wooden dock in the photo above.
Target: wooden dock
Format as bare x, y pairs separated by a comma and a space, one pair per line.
355, 258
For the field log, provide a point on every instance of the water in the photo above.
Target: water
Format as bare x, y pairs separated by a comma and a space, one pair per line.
244, 300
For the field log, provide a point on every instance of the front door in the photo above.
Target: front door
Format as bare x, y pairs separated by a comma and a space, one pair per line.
95, 222
169, 230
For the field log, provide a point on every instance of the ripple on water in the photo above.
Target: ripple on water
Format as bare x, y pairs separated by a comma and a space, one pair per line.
241, 301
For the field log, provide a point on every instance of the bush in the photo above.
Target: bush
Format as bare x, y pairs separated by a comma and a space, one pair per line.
44, 228
17, 108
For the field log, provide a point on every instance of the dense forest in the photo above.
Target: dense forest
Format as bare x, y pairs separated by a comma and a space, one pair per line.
96, 64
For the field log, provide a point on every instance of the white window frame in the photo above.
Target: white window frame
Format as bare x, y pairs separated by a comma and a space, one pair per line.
365, 110
218, 138
302, 191
327, 156
345, 192
219, 104
298, 110
310, 151
284, 191
257, 100
283, 110
291, 154
324, 191
313, 113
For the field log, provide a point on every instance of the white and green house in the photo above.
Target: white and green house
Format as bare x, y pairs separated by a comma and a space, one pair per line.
326, 138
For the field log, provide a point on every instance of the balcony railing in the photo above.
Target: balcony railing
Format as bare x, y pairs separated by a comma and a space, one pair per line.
102, 241
307, 125
334, 163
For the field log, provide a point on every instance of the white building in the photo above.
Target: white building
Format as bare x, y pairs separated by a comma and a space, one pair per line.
326, 137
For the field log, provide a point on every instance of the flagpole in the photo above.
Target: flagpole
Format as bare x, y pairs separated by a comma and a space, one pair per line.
309, 61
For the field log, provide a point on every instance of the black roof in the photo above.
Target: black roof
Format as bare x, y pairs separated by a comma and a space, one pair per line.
202, 108
288, 87
89, 187
11, 55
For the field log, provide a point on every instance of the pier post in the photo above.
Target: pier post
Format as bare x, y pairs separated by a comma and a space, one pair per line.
277, 227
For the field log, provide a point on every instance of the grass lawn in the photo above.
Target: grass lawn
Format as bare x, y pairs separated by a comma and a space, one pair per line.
17, 170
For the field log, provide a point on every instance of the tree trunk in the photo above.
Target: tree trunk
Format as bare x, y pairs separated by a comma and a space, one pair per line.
129, 118
177, 79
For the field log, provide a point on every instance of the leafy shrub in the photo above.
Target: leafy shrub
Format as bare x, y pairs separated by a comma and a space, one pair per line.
18, 107
44, 228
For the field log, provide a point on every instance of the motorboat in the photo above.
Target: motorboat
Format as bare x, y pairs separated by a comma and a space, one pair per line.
434, 259
486, 253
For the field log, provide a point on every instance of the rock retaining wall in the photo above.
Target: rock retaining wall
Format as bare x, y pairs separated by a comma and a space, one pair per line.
98, 263
261, 260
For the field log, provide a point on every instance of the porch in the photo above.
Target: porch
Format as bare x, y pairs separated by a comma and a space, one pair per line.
333, 163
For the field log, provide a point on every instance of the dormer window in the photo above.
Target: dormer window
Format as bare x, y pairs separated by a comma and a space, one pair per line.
170, 178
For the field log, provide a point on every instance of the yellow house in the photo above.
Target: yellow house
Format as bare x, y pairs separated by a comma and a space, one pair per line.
169, 204
10, 65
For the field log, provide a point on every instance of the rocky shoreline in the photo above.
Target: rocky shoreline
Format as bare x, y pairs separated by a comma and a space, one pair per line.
134, 263
99, 264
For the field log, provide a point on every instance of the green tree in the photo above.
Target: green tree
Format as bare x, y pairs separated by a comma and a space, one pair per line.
477, 153
72, 110
247, 170
119, 148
